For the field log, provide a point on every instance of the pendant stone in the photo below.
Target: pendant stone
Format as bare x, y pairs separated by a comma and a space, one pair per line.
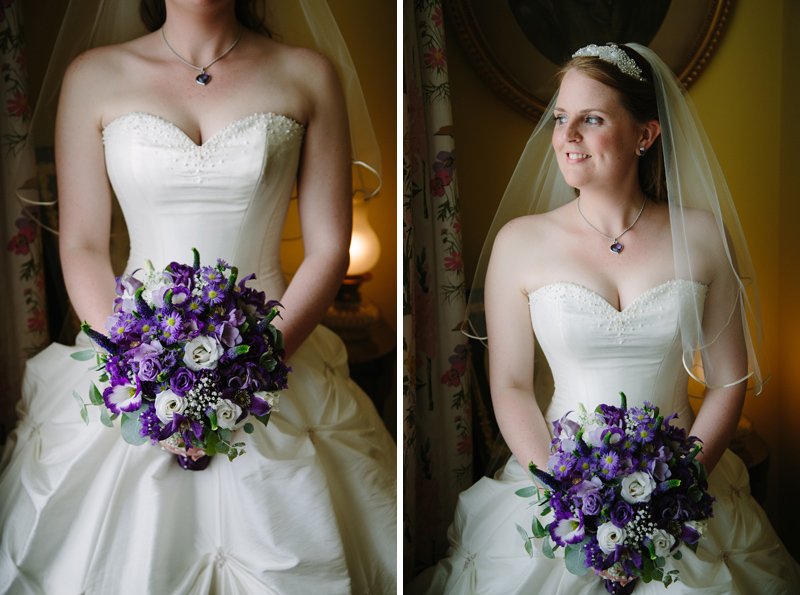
616, 247
203, 78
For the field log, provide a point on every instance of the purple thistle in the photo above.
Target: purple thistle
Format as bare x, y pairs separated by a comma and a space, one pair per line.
545, 478
101, 340
142, 306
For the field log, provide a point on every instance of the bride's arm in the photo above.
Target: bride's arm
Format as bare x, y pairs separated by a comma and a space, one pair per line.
324, 205
84, 194
511, 351
724, 361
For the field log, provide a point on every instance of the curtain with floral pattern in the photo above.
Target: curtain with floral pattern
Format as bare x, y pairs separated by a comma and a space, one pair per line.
23, 324
437, 426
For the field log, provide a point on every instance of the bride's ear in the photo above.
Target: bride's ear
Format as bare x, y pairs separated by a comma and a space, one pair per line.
649, 134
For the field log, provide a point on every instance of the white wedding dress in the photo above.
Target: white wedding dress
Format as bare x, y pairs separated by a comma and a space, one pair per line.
310, 507
595, 352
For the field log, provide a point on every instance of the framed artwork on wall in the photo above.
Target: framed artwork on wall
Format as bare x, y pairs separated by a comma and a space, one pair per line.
516, 45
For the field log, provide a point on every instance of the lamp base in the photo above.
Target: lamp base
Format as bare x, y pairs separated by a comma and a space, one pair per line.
351, 317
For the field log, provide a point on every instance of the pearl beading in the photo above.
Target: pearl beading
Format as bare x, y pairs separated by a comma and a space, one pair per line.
199, 159
609, 319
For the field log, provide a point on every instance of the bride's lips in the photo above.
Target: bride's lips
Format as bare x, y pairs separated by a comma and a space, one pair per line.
574, 157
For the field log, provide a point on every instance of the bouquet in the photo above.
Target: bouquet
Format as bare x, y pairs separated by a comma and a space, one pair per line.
190, 357
626, 491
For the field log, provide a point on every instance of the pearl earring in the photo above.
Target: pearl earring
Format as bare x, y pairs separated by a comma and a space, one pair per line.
642, 151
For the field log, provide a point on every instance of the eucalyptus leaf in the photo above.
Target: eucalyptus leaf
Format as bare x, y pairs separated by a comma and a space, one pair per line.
658, 574
103, 378
94, 395
526, 492
659, 562
83, 356
248, 428
538, 530
79, 399
85, 414
677, 555
104, 417
575, 561
222, 447
131, 426
225, 434
547, 548
522, 533
529, 548
692, 546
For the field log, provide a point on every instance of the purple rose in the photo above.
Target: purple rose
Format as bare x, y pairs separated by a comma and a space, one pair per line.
149, 368
621, 514
182, 274
612, 415
592, 502
182, 381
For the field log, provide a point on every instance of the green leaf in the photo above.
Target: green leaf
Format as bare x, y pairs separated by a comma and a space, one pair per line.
131, 425
248, 428
211, 444
658, 574
212, 418
225, 434
103, 378
104, 417
575, 561
263, 418
659, 562
83, 356
538, 530
278, 340
526, 492
692, 546
522, 532
529, 548
94, 395
547, 548
677, 555
85, 414
79, 399
546, 510
222, 447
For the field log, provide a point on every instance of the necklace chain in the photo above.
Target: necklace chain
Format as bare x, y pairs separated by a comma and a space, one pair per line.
614, 239
215, 60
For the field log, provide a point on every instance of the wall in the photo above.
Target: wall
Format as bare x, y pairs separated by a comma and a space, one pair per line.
745, 99
369, 28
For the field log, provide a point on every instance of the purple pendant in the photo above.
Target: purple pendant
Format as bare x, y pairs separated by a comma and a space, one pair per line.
616, 247
203, 78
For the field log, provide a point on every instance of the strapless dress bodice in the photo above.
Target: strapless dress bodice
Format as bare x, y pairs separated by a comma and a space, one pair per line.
595, 351
227, 197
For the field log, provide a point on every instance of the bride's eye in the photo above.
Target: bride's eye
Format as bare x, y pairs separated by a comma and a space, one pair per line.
560, 118
593, 120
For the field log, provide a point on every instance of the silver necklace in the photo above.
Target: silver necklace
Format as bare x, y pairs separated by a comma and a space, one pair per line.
203, 77
616, 247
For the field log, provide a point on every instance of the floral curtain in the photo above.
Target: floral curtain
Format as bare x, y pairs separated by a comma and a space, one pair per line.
23, 325
437, 426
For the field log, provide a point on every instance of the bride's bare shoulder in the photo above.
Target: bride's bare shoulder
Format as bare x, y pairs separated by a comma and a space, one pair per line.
531, 230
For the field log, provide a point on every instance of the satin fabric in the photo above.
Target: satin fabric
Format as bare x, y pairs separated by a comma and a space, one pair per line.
311, 505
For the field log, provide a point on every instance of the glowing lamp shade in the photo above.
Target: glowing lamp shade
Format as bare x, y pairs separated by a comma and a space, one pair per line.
365, 249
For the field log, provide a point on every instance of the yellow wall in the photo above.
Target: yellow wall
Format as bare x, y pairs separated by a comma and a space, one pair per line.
746, 99
369, 28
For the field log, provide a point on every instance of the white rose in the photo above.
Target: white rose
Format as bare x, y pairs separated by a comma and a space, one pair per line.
662, 541
270, 397
167, 404
700, 526
637, 487
608, 536
202, 353
227, 414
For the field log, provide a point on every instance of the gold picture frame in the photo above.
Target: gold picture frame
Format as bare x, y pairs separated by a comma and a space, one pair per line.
522, 76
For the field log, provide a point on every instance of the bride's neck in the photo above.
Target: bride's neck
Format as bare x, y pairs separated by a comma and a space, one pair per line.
200, 36
611, 212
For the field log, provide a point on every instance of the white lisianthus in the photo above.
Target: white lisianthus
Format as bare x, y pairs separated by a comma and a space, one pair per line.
202, 353
155, 282
608, 536
270, 397
227, 414
167, 404
662, 542
700, 526
637, 487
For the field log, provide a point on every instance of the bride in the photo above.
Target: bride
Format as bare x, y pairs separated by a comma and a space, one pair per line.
202, 128
618, 240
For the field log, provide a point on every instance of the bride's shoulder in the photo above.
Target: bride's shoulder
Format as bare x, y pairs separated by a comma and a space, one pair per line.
99, 67
300, 63
532, 229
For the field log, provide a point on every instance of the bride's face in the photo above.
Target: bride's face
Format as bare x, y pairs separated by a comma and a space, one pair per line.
595, 138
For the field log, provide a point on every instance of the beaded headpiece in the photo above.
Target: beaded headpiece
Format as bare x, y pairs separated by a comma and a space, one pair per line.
612, 54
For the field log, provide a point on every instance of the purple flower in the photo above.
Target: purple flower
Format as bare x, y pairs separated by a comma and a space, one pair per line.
592, 503
195, 306
183, 425
645, 433
172, 323
211, 275
149, 368
612, 416
146, 327
567, 530
122, 397
609, 461
587, 466
182, 381
565, 426
621, 514
560, 465
182, 274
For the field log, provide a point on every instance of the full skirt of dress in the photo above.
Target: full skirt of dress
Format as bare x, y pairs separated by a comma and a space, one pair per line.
739, 555
310, 506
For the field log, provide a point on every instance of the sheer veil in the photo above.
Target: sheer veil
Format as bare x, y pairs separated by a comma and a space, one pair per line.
307, 23
700, 204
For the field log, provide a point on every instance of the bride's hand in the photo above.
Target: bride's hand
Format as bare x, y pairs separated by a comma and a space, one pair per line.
621, 580
194, 453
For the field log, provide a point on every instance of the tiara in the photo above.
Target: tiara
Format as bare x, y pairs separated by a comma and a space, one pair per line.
612, 54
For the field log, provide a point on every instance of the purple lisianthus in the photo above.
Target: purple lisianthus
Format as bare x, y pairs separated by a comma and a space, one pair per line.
569, 529
565, 426
182, 381
612, 416
621, 514
182, 274
592, 502
149, 368
123, 397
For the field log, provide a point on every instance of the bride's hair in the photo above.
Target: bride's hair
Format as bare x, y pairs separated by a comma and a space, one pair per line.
639, 99
250, 13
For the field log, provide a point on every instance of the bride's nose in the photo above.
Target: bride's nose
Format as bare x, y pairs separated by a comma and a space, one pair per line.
571, 132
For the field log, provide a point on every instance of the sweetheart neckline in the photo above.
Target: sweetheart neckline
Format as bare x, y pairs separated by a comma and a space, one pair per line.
210, 138
609, 304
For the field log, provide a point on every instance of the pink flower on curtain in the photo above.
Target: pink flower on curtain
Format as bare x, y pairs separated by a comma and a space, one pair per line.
436, 17
435, 59
19, 244
464, 445
19, 105
453, 376
456, 225
454, 262
440, 181
22, 60
38, 322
